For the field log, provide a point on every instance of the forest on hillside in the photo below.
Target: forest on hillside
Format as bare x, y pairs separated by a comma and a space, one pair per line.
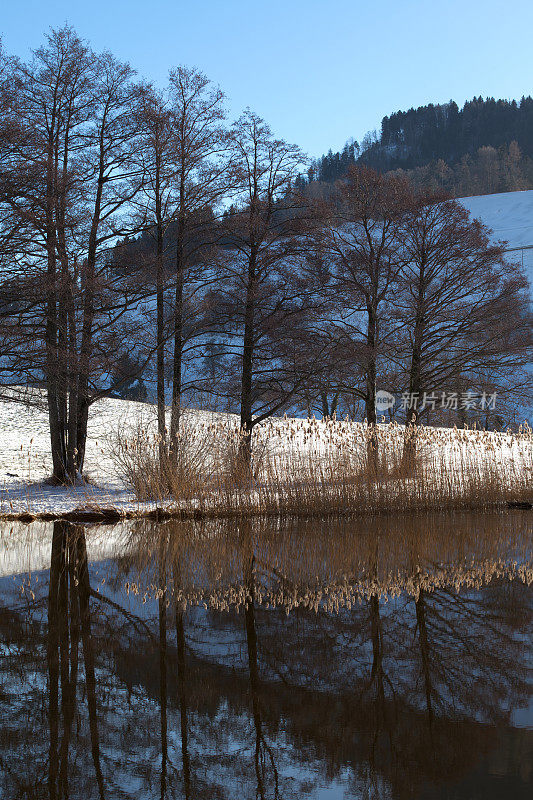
485, 147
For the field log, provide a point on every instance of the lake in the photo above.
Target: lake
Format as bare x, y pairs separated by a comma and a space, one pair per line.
385, 657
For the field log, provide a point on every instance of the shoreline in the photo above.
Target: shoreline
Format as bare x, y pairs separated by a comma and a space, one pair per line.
114, 515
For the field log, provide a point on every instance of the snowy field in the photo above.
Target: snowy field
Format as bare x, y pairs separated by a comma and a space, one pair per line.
292, 445
25, 460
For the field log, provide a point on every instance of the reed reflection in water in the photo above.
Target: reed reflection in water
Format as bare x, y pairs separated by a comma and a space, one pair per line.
268, 658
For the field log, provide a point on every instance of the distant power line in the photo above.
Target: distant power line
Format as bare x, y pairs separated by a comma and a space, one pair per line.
514, 249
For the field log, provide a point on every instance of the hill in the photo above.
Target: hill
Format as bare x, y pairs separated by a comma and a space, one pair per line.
483, 148
510, 217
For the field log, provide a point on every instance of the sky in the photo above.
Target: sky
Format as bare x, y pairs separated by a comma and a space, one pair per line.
318, 72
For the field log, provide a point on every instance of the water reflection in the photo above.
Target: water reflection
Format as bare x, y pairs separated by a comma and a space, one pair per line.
268, 659
69, 617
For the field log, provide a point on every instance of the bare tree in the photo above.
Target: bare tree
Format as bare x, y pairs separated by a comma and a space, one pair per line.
157, 208
265, 294
462, 310
362, 243
183, 155
201, 181
66, 181
54, 106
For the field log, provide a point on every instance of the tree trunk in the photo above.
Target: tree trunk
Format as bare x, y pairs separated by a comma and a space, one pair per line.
411, 423
52, 323
63, 379
160, 332
329, 409
89, 289
175, 411
370, 394
247, 364
72, 431
408, 466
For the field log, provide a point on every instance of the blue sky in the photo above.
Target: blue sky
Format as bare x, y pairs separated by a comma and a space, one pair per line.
318, 72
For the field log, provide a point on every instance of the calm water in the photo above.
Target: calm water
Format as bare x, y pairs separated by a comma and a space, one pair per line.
330, 659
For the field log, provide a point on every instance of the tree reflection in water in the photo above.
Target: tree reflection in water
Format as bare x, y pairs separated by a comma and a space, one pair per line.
263, 753
269, 659
68, 614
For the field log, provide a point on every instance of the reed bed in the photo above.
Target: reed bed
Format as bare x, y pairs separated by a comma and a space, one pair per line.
315, 467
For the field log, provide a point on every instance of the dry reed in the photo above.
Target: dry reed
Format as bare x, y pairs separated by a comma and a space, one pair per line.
312, 467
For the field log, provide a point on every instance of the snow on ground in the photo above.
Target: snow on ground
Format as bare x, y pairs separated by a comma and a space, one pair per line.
292, 444
25, 460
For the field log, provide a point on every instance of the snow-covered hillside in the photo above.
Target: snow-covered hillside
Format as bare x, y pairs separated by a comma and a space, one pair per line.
510, 217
